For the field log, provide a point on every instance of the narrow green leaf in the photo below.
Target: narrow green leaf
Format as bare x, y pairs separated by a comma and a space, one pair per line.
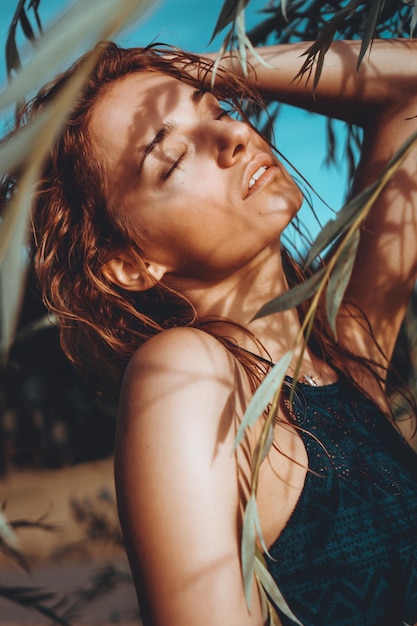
338, 225
339, 279
83, 25
13, 228
241, 37
369, 28
263, 395
258, 528
248, 547
15, 150
413, 21
227, 14
7, 534
323, 43
26, 27
360, 204
255, 53
272, 589
261, 454
12, 55
32, 598
293, 297
220, 54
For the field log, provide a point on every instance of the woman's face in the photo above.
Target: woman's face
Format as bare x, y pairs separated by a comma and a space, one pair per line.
204, 191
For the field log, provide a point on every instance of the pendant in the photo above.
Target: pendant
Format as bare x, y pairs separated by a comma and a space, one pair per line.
309, 380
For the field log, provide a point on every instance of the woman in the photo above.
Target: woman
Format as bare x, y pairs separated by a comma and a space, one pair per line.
159, 218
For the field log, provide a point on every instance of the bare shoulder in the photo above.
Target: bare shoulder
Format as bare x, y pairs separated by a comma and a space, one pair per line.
180, 365
182, 380
176, 480
177, 349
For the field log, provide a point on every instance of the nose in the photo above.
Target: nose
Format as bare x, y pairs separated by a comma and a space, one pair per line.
232, 139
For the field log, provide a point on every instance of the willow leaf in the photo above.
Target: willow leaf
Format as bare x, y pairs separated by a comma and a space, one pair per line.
335, 227
413, 21
14, 225
241, 36
360, 204
272, 589
227, 14
220, 54
12, 55
256, 54
258, 529
339, 279
26, 27
14, 151
293, 297
83, 24
263, 395
262, 449
248, 547
320, 62
323, 43
33, 598
7, 534
369, 29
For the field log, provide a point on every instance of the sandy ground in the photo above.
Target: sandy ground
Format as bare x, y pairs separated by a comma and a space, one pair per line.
70, 560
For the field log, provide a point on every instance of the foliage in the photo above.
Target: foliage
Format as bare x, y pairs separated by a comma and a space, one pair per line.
285, 21
95, 518
289, 21
281, 21
82, 24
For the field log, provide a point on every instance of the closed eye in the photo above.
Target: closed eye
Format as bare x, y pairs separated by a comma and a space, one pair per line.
167, 173
224, 113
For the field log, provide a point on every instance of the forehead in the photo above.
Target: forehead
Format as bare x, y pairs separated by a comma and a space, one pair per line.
134, 107
127, 117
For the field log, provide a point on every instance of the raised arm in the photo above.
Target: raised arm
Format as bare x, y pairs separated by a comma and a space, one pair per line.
382, 98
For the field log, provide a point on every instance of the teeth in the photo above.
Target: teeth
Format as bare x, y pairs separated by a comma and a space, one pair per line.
257, 175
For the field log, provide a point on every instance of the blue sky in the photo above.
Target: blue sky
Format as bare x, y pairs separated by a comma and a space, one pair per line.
189, 24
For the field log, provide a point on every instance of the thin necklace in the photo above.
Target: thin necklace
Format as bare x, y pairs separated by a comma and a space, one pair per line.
307, 379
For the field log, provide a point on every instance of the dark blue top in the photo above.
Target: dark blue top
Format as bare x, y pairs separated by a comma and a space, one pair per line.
348, 554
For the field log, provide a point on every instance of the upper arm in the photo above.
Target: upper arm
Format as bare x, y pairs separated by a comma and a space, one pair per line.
177, 484
386, 263
382, 98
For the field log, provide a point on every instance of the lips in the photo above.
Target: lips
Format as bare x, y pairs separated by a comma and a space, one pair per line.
261, 170
254, 174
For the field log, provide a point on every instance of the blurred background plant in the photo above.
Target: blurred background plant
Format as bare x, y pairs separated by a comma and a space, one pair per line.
49, 418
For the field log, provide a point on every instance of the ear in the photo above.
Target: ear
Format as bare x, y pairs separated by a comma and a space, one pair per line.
123, 273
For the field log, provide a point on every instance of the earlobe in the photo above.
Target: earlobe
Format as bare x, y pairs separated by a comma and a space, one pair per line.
123, 273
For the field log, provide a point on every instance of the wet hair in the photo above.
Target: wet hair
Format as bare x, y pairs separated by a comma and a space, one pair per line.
77, 229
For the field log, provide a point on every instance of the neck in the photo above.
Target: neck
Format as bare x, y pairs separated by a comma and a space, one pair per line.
238, 297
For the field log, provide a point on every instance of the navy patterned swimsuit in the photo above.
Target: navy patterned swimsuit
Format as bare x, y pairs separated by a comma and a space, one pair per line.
348, 554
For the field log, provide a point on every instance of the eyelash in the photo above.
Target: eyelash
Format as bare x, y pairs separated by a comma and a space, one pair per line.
224, 113
167, 174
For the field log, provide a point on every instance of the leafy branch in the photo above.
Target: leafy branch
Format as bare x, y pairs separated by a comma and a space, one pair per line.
13, 61
335, 277
34, 599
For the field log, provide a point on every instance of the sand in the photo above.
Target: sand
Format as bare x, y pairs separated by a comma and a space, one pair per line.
82, 553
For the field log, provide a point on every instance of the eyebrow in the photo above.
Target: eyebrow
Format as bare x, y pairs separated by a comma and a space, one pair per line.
166, 129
